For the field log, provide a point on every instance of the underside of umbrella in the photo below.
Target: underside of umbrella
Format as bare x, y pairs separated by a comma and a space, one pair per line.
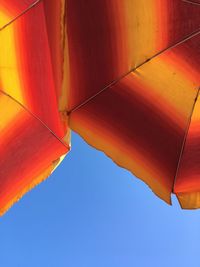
122, 74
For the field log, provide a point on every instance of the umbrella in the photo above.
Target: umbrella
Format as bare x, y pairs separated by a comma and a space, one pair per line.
34, 135
122, 74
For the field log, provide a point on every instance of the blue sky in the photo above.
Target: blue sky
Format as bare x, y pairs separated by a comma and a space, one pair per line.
91, 213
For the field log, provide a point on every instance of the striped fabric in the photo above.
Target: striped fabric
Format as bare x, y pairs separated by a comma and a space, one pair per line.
122, 74
34, 134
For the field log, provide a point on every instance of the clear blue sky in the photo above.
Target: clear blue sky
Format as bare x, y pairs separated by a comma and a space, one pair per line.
91, 213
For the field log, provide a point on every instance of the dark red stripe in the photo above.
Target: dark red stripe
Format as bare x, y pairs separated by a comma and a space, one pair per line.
36, 68
30, 147
183, 19
123, 114
92, 47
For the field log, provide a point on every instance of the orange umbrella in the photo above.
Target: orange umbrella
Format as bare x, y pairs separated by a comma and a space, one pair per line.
122, 74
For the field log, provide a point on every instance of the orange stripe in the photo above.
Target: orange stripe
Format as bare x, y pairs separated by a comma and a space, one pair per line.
27, 149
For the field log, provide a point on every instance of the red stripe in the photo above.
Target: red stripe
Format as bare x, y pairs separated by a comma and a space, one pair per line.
25, 151
124, 115
36, 68
91, 40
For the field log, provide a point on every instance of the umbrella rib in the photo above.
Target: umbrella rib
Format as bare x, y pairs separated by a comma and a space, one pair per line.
185, 138
21, 14
36, 117
188, 37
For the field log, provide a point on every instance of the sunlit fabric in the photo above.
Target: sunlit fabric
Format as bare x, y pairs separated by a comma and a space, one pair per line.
122, 74
33, 132
134, 81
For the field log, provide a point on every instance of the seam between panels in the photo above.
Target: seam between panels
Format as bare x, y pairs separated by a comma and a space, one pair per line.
21, 14
184, 139
36, 117
186, 38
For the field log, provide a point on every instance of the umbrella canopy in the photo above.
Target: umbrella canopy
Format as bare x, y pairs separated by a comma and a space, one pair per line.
122, 74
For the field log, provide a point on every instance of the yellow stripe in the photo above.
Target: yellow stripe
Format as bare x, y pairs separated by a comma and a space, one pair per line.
8, 114
9, 76
140, 16
169, 85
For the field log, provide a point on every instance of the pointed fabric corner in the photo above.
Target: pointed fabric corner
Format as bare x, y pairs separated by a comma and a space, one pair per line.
187, 183
122, 74
139, 80
34, 134
140, 125
29, 151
